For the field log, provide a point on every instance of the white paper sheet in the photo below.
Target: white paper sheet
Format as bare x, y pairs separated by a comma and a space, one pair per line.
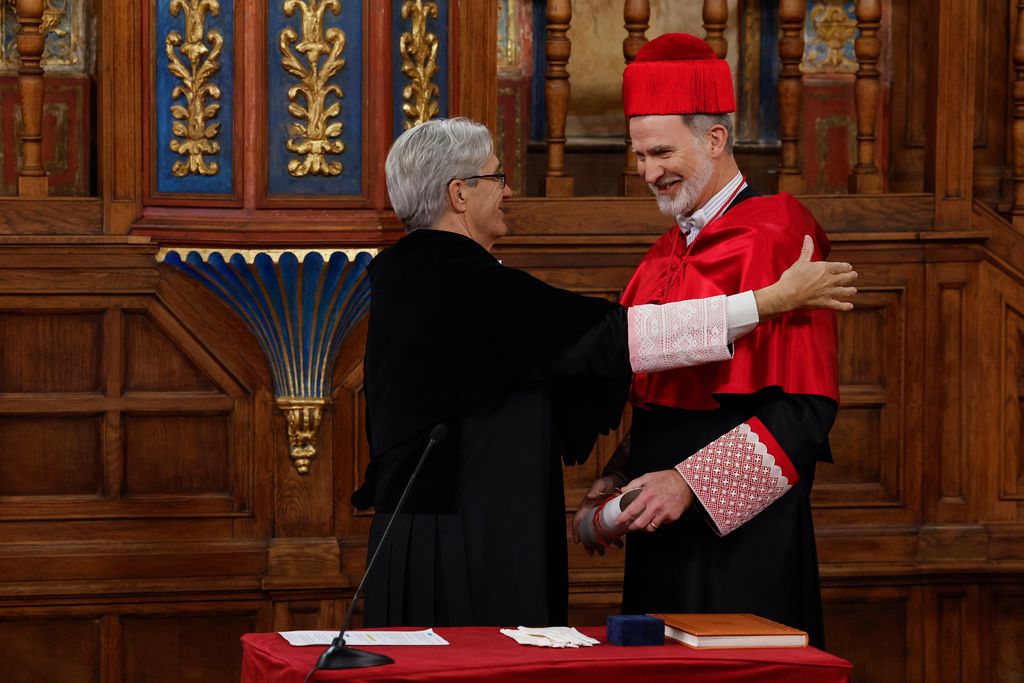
425, 637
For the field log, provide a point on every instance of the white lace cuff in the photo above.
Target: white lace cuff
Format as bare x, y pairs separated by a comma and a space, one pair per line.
678, 334
738, 475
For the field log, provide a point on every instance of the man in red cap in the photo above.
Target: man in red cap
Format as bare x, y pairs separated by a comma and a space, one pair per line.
725, 452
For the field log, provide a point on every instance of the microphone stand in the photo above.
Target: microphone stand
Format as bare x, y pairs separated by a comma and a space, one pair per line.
338, 655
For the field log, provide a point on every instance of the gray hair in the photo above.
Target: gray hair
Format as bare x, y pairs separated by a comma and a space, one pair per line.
700, 124
425, 158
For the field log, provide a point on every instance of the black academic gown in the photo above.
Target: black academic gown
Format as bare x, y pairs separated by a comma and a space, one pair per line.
769, 565
520, 373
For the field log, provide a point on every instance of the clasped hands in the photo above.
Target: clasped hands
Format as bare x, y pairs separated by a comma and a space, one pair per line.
664, 497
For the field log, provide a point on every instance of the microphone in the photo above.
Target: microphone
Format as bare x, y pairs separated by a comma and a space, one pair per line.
338, 655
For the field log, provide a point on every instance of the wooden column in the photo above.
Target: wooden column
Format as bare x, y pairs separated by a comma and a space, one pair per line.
119, 124
716, 16
865, 178
637, 14
949, 147
556, 182
477, 61
1018, 119
791, 52
31, 41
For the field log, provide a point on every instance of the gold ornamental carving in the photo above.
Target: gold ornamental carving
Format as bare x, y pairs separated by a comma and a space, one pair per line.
303, 417
508, 35
315, 135
192, 136
61, 22
419, 63
53, 16
834, 28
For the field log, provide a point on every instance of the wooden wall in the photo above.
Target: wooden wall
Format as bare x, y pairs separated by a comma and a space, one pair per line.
149, 514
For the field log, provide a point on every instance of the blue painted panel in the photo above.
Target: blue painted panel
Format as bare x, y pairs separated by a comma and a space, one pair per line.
771, 65
193, 183
350, 79
439, 27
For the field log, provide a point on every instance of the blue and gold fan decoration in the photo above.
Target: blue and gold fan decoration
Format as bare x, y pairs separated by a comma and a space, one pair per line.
301, 305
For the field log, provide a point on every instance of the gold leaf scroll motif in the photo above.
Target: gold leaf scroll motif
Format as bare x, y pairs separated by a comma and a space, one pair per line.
314, 135
196, 138
419, 63
833, 28
53, 15
62, 25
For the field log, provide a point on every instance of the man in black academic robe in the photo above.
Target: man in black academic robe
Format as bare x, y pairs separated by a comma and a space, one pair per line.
725, 452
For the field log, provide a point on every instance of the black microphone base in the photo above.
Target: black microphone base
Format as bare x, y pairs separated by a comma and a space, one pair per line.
344, 657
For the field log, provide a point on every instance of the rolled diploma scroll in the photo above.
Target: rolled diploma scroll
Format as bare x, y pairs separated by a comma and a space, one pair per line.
601, 527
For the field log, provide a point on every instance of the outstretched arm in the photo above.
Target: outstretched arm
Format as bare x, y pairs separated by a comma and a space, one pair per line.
697, 331
808, 284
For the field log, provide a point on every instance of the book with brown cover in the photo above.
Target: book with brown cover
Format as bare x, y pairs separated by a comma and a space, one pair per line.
730, 630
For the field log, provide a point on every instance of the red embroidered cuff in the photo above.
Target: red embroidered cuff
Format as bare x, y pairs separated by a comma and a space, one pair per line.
739, 474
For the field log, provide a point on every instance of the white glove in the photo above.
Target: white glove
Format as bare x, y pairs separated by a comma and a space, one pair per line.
553, 636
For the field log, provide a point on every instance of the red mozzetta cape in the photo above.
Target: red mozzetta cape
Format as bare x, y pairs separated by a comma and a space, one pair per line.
747, 248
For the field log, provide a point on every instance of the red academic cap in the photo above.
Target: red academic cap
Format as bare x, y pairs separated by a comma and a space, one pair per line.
677, 73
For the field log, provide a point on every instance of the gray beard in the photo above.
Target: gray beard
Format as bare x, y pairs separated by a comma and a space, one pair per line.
683, 201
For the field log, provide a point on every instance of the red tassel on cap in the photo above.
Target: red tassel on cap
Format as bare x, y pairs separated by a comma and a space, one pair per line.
677, 74
674, 46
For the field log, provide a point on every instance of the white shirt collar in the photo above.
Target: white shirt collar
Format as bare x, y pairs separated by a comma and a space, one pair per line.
692, 225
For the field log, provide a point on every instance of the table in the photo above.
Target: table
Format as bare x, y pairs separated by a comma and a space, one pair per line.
479, 653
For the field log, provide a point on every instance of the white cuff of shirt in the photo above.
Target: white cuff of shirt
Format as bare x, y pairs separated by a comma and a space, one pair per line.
741, 314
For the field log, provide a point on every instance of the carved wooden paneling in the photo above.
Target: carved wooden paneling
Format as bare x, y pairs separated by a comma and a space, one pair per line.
909, 26
994, 426
120, 66
351, 439
121, 403
133, 424
1000, 428
869, 444
912, 69
176, 454
876, 630
1013, 404
949, 153
171, 648
304, 504
145, 342
1001, 654
66, 449
474, 61
53, 216
991, 97
51, 352
951, 633
309, 615
51, 649
951, 301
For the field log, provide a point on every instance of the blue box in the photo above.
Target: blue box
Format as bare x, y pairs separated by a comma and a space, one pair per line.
635, 629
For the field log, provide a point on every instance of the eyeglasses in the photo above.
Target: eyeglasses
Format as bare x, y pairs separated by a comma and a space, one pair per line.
499, 177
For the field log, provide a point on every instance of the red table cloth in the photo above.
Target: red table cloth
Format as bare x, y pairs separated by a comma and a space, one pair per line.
485, 654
